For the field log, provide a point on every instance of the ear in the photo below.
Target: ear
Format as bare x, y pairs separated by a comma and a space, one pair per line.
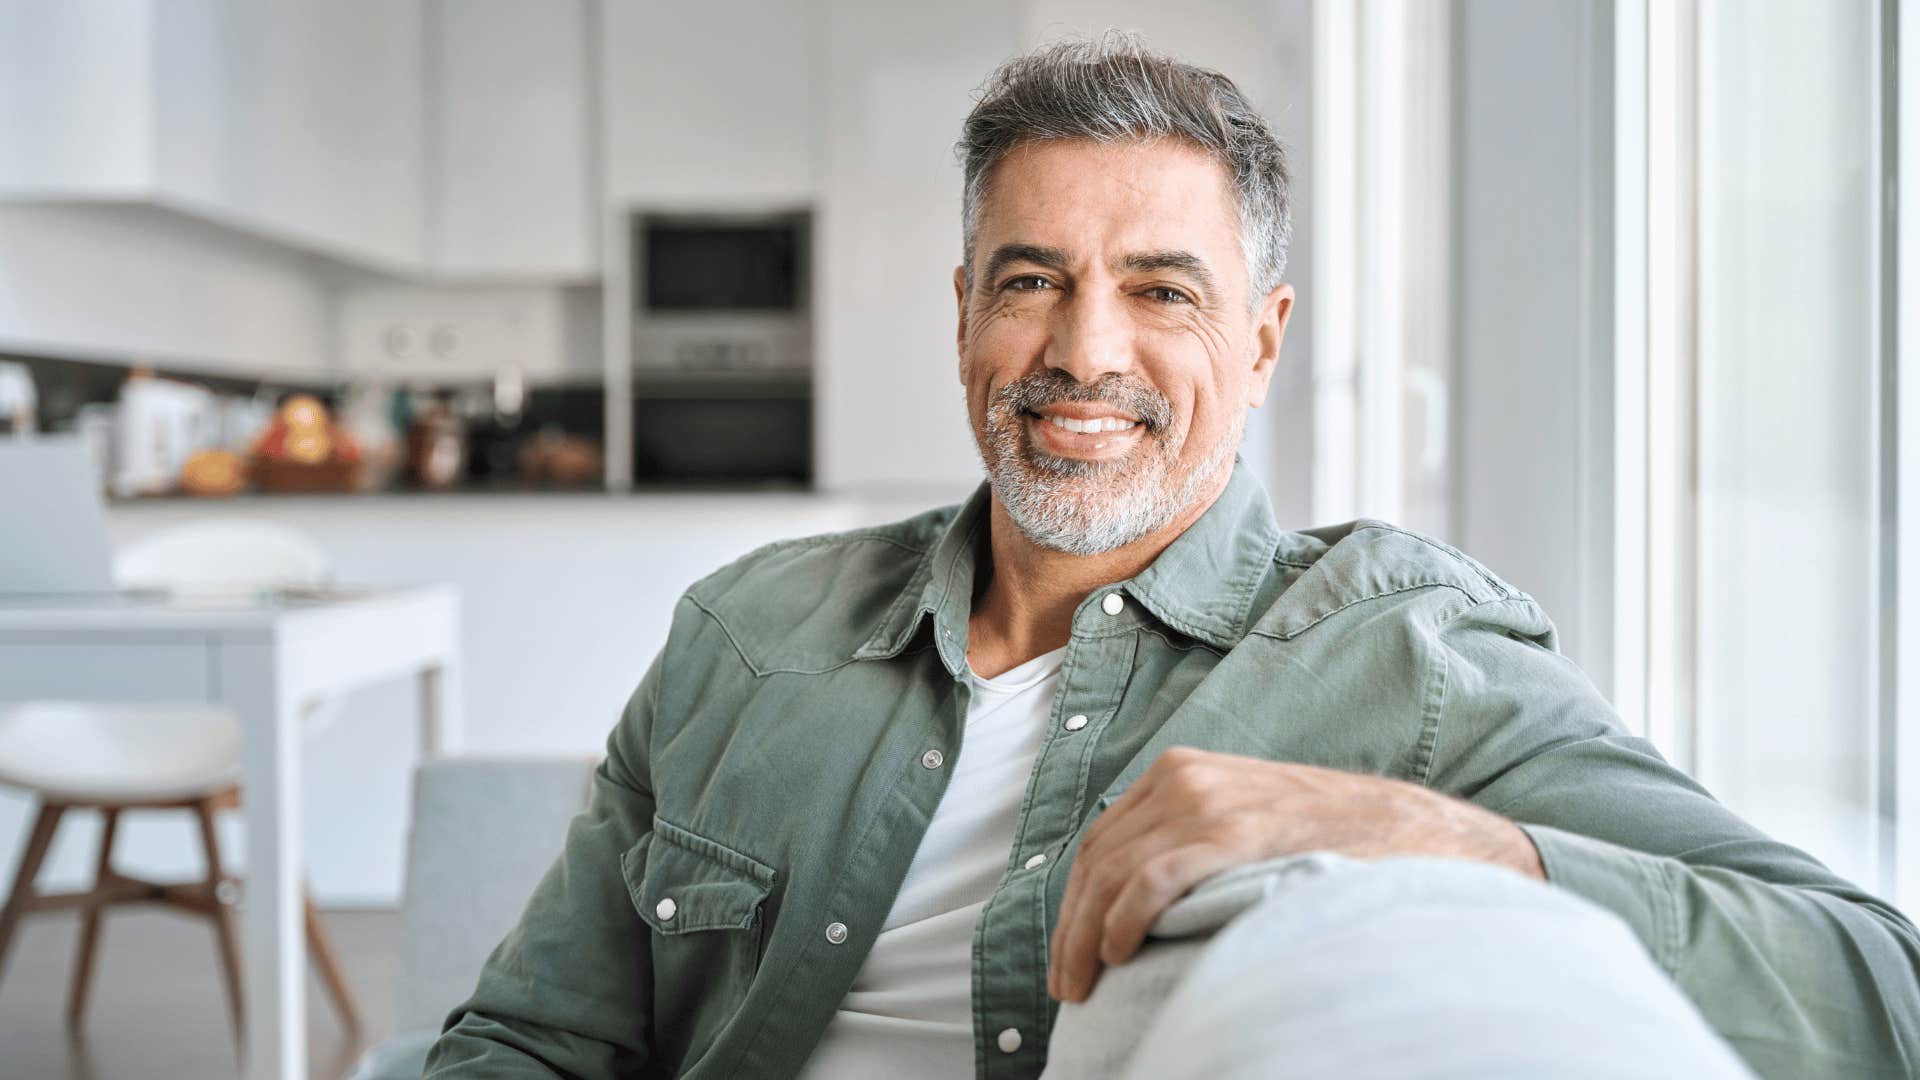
1269, 330
960, 303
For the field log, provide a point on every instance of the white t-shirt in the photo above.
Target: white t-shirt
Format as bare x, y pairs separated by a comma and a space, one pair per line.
910, 1011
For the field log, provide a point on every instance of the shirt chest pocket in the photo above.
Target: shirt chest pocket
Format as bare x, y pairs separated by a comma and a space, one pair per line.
704, 901
683, 883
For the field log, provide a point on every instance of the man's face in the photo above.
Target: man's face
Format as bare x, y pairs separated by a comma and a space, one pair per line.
1108, 345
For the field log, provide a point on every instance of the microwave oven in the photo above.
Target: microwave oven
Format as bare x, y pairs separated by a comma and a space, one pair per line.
722, 292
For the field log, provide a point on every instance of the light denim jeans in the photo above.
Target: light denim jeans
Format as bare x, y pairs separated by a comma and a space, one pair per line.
1322, 966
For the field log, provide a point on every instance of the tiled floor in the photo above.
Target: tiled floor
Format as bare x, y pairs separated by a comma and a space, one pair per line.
158, 1010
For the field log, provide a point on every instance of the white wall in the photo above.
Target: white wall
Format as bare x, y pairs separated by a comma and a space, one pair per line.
1530, 348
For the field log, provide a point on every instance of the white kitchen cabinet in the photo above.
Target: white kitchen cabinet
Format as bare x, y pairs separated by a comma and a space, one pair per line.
511, 96
76, 92
710, 104
302, 122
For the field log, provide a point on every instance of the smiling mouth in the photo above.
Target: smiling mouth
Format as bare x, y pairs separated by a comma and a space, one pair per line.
1104, 423
1091, 425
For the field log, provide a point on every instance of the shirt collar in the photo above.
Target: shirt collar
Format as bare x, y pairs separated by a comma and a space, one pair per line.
1202, 585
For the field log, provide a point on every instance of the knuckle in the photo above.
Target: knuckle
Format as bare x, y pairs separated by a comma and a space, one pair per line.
1105, 880
1121, 924
1237, 832
1211, 799
1159, 875
1178, 759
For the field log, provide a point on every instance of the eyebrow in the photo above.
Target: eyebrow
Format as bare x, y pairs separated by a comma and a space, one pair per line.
1007, 254
1053, 258
1180, 262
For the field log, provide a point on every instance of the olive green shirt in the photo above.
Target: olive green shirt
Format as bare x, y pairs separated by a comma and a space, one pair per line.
769, 782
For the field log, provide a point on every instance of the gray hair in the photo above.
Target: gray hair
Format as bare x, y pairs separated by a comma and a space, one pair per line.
1113, 89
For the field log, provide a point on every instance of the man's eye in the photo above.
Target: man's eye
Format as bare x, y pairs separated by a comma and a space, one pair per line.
1167, 295
1028, 283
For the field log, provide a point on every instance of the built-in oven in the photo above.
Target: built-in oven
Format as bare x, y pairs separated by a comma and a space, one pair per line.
722, 347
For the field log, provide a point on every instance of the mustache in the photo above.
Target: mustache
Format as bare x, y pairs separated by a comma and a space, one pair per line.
1030, 393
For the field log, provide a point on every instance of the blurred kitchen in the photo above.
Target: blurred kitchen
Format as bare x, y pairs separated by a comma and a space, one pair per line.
522, 315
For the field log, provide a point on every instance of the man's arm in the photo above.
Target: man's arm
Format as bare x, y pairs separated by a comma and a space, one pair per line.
570, 990
1805, 974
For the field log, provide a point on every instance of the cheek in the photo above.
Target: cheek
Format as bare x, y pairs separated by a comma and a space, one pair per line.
1195, 382
1004, 335
1000, 350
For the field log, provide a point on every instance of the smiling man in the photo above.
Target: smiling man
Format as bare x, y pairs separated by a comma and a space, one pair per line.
1103, 770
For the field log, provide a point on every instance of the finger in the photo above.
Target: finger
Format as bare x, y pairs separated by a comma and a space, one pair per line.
1074, 955
1159, 882
1076, 933
1125, 821
1137, 813
1075, 951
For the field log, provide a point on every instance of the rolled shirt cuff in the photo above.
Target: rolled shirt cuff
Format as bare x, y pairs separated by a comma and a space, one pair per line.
1640, 888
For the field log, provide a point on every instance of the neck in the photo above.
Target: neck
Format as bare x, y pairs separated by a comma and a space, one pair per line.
1031, 592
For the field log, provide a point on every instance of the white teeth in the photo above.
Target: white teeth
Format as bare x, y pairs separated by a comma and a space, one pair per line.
1103, 423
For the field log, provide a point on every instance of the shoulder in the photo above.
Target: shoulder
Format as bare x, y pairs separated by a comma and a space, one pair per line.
1389, 569
807, 604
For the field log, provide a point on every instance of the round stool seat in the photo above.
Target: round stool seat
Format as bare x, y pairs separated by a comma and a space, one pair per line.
88, 751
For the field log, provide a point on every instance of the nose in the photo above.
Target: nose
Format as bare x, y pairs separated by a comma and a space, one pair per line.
1090, 336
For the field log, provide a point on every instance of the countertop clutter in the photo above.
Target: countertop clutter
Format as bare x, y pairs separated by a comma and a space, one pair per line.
157, 435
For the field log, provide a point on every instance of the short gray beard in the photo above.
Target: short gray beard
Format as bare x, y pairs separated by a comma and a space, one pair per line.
1087, 508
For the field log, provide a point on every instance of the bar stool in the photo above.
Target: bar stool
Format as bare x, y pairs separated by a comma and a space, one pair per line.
113, 758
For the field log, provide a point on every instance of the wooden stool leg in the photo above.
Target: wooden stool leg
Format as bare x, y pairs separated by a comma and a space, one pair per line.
39, 839
223, 928
329, 965
90, 922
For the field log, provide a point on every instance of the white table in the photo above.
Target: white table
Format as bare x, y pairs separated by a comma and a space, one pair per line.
269, 657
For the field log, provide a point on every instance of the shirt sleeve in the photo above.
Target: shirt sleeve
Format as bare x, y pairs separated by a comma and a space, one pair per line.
1802, 972
570, 990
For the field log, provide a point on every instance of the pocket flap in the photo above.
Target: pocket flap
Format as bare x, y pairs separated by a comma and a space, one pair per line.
682, 882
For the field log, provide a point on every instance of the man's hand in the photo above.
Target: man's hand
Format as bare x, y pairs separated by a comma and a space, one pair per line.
1194, 813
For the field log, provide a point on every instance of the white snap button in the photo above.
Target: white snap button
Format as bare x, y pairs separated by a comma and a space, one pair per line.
837, 932
665, 909
1076, 722
1111, 605
1035, 861
1009, 1040
932, 759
